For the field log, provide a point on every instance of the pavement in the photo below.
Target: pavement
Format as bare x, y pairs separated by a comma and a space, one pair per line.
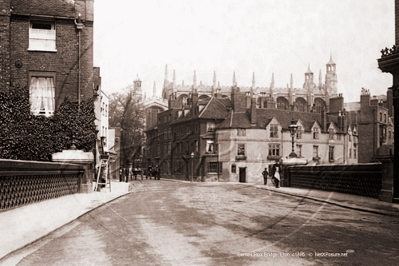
24, 225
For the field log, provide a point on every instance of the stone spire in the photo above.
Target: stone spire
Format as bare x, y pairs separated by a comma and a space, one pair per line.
320, 80
194, 81
272, 85
166, 72
174, 79
253, 80
154, 90
214, 79
234, 79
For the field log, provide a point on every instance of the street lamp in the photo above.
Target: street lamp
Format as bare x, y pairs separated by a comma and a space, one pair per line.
192, 166
293, 128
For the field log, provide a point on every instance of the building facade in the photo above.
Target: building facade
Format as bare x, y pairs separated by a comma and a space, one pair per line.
234, 138
375, 125
41, 48
313, 96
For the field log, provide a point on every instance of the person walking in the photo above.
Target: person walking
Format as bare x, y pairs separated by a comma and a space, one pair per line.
276, 175
265, 173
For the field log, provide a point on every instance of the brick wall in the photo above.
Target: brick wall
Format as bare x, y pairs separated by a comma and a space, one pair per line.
363, 180
396, 22
64, 62
4, 44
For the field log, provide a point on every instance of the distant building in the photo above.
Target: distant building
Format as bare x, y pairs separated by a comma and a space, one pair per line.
375, 125
313, 96
221, 139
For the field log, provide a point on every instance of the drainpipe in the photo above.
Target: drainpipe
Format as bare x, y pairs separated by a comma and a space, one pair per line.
79, 27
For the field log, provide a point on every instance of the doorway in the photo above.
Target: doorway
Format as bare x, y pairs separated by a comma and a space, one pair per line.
242, 174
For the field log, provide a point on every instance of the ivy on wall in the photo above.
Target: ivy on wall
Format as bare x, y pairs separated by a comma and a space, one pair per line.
24, 136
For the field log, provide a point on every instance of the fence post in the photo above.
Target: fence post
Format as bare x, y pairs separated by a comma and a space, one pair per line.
387, 190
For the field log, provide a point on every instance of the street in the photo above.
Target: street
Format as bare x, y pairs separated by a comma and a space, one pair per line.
181, 223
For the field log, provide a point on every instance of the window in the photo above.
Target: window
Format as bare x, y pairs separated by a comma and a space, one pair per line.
165, 134
42, 36
241, 132
331, 134
213, 167
196, 145
354, 151
210, 126
187, 147
240, 149
169, 133
385, 118
299, 150
315, 151
42, 93
299, 132
274, 131
196, 128
389, 134
380, 116
188, 129
165, 149
349, 137
331, 153
159, 150
210, 146
233, 168
350, 153
315, 133
274, 149
169, 147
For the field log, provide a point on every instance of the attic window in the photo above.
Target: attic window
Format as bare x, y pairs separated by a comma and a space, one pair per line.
274, 131
315, 133
331, 134
299, 132
42, 36
210, 126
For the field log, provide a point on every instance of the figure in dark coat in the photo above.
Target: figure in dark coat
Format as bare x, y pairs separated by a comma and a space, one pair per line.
265, 174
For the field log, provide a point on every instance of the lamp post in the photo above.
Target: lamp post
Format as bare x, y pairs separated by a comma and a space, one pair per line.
293, 128
192, 166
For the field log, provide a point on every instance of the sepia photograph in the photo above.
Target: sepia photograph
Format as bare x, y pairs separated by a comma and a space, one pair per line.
187, 132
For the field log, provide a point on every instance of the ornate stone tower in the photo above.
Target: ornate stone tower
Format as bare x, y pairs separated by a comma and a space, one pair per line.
137, 88
331, 77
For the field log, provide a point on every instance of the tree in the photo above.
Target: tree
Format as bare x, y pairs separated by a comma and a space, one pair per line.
126, 111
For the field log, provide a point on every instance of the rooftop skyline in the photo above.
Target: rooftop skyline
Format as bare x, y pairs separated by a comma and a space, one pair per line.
263, 37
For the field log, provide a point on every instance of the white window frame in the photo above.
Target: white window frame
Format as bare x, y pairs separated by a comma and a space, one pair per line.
52, 75
42, 39
210, 147
210, 127
274, 131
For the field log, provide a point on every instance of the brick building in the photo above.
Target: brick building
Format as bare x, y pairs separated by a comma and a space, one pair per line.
374, 116
222, 139
48, 46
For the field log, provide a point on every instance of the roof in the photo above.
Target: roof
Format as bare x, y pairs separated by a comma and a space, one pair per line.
214, 109
61, 8
264, 116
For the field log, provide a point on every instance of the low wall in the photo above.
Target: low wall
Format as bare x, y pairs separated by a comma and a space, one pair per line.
358, 179
25, 182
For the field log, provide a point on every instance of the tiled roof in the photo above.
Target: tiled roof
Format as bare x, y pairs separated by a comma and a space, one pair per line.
61, 8
264, 116
214, 110
235, 120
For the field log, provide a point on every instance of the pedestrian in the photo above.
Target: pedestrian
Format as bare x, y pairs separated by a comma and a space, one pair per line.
276, 175
265, 173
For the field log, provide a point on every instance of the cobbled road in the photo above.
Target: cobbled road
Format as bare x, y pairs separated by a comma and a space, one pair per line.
181, 223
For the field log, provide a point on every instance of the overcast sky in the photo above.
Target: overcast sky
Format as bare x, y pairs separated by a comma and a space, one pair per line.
261, 36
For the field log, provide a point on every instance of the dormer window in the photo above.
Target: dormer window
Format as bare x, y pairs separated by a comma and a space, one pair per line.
315, 133
210, 126
299, 132
42, 36
274, 131
331, 134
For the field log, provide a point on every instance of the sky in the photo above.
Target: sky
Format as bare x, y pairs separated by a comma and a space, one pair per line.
254, 36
